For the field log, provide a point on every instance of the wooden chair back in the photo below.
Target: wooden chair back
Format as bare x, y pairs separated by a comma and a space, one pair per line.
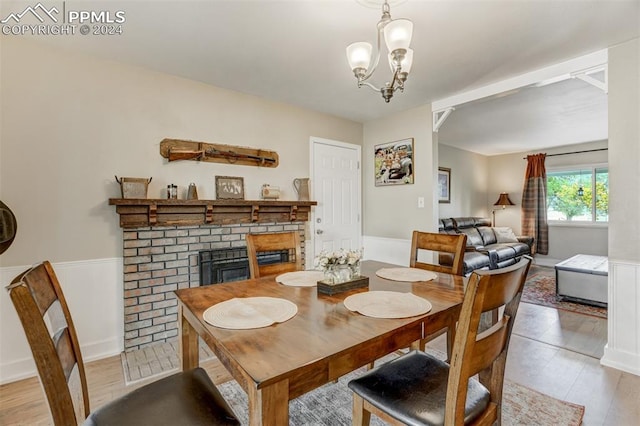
45, 317
441, 243
264, 243
483, 350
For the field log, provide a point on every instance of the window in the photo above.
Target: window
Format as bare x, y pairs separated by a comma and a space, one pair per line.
578, 195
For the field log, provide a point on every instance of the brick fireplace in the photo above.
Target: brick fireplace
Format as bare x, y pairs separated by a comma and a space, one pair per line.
161, 247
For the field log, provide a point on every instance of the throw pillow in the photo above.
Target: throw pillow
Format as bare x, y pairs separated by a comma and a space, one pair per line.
505, 235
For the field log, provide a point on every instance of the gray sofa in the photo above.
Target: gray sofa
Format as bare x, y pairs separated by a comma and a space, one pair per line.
487, 248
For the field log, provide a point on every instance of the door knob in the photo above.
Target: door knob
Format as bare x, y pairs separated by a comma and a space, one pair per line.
319, 231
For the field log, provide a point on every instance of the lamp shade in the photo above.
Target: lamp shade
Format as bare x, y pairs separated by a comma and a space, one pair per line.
406, 62
359, 55
398, 33
503, 200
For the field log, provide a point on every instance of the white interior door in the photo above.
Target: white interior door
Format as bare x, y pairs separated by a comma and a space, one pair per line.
336, 185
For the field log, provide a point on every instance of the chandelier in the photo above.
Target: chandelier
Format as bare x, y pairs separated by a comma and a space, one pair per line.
397, 36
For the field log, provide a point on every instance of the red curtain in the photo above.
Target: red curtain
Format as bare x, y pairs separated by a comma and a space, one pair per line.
534, 203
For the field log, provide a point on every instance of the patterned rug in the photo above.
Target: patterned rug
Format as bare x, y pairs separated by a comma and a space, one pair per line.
540, 289
331, 404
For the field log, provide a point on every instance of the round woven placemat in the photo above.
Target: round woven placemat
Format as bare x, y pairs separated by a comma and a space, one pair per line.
387, 304
406, 274
300, 278
250, 312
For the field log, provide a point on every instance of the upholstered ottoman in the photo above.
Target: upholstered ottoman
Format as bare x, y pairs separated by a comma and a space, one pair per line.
583, 278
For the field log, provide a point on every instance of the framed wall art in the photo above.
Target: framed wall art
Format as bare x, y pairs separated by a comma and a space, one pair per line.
444, 185
229, 188
393, 163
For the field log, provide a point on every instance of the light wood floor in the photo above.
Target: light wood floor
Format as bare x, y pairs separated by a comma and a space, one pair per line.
555, 352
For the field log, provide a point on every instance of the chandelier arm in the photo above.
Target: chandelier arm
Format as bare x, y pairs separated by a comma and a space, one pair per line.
366, 83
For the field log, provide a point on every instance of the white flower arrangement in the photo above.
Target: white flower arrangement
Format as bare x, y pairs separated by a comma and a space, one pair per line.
327, 259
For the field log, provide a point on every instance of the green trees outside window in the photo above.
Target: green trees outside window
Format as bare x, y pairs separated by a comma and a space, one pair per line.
570, 195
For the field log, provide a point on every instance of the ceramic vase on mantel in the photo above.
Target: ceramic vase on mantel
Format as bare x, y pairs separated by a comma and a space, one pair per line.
301, 186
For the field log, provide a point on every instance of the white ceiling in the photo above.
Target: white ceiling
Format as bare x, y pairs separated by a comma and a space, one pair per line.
530, 118
294, 52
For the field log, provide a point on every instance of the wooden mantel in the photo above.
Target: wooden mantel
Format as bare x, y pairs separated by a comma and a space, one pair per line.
137, 213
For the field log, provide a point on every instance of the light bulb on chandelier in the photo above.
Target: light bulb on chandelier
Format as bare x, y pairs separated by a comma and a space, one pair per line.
397, 35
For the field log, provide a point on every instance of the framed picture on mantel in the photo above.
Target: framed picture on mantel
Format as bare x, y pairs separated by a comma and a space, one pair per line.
444, 185
229, 188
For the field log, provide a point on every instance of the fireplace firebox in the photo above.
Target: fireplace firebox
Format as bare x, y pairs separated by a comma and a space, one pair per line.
227, 265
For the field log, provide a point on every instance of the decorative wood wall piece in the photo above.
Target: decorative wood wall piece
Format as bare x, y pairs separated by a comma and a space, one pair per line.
177, 149
137, 213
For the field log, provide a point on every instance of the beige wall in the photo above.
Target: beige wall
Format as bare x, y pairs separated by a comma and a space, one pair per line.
392, 211
70, 123
469, 185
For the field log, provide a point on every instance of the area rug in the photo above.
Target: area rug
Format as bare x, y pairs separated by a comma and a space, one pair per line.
540, 289
331, 404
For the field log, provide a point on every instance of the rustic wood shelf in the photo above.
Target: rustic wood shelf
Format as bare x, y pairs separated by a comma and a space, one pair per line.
137, 213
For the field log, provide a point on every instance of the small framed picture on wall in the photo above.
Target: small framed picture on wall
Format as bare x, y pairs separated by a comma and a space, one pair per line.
444, 185
229, 188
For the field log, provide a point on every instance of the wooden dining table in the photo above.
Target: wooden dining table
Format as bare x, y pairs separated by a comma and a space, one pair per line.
322, 342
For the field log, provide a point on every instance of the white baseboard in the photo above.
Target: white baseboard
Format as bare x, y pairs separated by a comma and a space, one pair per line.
619, 360
94, 293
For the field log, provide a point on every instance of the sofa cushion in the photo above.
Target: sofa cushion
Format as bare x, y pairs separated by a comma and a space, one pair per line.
488, 236
481, 221
474, 239
502, 252
447, 224
505, 235
464, 222
520, 248
475, 260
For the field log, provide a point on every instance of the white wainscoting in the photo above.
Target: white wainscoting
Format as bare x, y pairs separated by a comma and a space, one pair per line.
390, 250
623, 346
94, 292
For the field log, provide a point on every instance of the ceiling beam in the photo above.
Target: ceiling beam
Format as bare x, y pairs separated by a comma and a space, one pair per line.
572, 66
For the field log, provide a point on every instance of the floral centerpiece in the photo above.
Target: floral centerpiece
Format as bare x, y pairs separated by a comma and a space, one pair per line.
339, 266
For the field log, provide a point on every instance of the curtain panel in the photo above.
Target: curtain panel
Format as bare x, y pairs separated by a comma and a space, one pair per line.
534, 203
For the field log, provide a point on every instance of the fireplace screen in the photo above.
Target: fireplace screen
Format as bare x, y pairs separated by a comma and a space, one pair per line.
226, 265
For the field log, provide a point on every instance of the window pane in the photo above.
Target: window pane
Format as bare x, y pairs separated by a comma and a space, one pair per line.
569, 195
602, 195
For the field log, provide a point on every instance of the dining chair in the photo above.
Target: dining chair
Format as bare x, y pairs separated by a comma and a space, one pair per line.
443, 244
420, 389
260, 246
447, 246
189, 397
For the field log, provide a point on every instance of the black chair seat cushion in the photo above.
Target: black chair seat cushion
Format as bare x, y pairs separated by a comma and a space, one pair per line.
413, 390
187, 398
